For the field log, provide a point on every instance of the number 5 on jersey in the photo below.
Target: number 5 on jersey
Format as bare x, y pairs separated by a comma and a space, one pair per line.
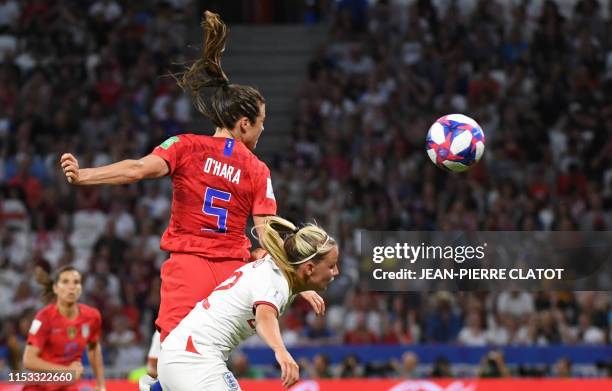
210, 195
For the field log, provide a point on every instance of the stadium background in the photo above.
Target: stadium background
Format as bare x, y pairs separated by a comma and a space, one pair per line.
351, 89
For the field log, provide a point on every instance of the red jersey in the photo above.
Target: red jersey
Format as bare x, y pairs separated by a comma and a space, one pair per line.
62, 340
217, 184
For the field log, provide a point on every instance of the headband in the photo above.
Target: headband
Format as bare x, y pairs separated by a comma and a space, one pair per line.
308, 258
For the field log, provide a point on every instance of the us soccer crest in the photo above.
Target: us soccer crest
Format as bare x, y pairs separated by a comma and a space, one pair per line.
72, 332
85, 331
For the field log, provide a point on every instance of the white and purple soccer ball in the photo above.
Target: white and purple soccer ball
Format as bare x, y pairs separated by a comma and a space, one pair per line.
455, 142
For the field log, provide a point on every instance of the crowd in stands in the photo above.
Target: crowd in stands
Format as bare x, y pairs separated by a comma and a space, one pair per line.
537, 76
86, 77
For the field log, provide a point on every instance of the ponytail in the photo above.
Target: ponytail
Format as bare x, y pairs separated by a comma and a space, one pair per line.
43, 278
290, 246
229, 102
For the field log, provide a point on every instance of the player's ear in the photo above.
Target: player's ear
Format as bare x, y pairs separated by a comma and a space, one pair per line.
309, 268
244, 124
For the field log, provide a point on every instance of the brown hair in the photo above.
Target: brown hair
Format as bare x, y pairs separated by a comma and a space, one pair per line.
290, 246
47, 281
229, 102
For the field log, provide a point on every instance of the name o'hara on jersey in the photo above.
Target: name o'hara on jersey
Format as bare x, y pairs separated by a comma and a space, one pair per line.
223, 170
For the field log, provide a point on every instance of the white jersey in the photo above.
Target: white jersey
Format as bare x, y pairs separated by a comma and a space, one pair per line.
220, 322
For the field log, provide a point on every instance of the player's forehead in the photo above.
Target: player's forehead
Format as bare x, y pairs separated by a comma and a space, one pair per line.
331, 257
69, 275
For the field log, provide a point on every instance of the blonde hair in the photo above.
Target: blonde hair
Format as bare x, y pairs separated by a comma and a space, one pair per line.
291, 246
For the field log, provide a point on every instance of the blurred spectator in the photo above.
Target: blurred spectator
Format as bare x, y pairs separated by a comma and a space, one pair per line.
515, 303
242, 369
123, 343
563, 368
441, 368
586, 333
407, 367
360, 334
493, 365
351, 367
472, 334
443, 324
317, 331
318, 369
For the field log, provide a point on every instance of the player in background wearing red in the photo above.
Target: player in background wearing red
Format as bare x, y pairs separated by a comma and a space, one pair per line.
194, 355
61, 331
217, 183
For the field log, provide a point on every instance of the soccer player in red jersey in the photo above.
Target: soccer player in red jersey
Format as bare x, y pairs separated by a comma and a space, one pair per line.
62, 330
217, 183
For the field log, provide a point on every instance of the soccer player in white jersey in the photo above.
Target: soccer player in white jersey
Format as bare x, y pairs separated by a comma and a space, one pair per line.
194, 355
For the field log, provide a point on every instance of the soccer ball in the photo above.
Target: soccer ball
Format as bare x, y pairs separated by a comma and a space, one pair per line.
455, 142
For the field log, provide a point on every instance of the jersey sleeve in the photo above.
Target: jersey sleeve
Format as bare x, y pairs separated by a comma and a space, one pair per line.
155, 348
276, 295
39, 331
172, 149
96, 328
264, 202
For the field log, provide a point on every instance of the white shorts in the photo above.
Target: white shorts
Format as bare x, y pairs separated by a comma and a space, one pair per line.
186, 371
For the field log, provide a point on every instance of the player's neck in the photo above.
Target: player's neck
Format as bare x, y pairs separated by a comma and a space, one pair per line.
223, 132
68, 310
298, 288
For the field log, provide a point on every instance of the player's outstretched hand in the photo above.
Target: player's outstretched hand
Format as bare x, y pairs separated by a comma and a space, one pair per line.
77, 367
290, 371
315, 300
70, 165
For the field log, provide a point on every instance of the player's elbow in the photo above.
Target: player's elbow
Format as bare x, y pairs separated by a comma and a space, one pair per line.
136, 172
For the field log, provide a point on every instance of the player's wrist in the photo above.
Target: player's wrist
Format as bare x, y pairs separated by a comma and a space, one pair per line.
83, 175
280, 350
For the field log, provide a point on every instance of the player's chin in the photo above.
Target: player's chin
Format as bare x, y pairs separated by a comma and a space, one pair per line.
71, 298
323, 286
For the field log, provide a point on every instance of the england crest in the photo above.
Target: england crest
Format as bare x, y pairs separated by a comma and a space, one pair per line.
231, 381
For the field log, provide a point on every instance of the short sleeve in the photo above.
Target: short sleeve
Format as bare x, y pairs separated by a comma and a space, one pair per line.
96, 328
276, 295
155, 348
39, 331
264, 202
171, 150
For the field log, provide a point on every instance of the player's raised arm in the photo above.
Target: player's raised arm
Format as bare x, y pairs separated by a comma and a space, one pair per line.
269, 330
120, 173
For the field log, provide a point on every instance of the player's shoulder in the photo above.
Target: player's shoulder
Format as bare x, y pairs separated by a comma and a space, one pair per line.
89, 311
268, 270
192, 138
47, 311
249, 155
